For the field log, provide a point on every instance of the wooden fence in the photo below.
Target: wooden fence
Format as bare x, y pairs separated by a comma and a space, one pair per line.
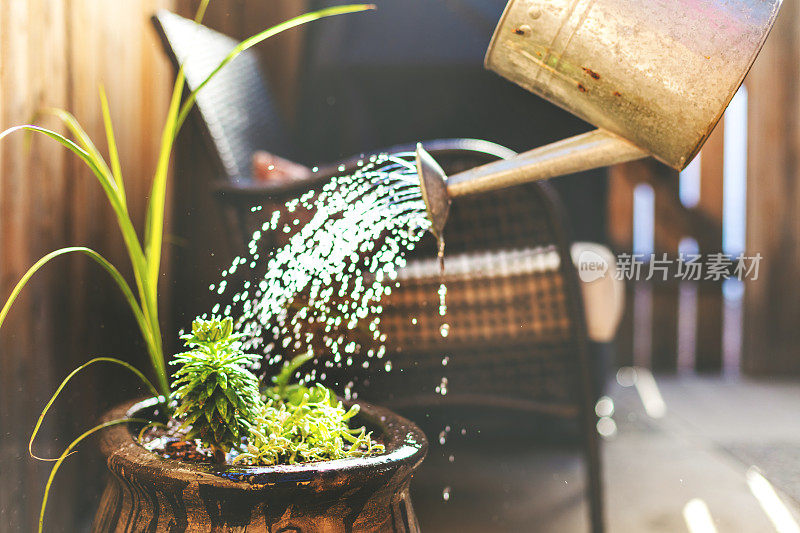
665, 321
55, 53
653, 307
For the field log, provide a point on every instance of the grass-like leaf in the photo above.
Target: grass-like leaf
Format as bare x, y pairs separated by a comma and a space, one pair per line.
201, 11
72, 374
116, 169
99, 259
148, 303
138, 313
145, 260
154, 230
262, 36
67, 452
80, 135
88, 158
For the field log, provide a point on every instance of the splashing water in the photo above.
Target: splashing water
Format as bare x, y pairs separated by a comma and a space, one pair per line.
441, 388
444, 331
321, 290
443, 435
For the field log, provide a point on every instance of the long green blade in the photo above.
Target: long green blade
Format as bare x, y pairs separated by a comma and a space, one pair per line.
116, 169
154, 217
151, 341
262, 36
116, 276
64, 384
155, 211
67, 452
88, 158
201, 11
80, 134
148, 296
108, 184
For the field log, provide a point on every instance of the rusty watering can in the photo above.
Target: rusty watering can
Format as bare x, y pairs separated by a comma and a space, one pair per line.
654, 76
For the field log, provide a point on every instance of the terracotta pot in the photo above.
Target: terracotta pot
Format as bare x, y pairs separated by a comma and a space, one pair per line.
146, 492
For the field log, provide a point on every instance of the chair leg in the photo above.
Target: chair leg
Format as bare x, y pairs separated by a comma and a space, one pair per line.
594, 481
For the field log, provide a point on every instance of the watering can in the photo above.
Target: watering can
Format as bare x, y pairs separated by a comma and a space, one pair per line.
654, 77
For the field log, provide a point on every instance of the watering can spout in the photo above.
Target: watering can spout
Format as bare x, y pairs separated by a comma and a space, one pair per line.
583, 152
653, 77
433, 183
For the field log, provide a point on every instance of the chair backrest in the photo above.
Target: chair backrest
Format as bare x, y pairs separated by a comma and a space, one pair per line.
516, 335
236, 108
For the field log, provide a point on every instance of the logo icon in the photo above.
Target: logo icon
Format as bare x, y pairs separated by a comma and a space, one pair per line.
591, 266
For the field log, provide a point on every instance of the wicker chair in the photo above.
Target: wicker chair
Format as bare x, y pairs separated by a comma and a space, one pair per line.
517, 336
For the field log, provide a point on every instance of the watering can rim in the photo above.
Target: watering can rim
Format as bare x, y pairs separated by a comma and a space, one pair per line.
685, 160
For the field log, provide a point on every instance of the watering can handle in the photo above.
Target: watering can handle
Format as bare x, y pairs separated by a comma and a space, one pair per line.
595, 149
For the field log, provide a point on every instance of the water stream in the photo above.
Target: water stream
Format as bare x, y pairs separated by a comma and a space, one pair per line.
319, 289
320, 292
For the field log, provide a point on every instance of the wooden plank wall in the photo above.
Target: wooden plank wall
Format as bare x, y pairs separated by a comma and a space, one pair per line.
55, 53
772, 306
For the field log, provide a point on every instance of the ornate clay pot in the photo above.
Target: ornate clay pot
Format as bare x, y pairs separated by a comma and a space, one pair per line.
146, 492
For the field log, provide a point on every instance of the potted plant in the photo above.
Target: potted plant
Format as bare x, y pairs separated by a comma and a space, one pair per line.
303, 464
258, 461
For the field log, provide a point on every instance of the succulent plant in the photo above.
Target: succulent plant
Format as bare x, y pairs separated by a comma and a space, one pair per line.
218, 396
300, 424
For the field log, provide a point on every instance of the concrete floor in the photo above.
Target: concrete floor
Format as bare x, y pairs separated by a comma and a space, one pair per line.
698, 446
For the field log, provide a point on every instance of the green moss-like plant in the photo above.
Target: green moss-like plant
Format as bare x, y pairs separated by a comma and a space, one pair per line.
218, 397
219, 403
301, 424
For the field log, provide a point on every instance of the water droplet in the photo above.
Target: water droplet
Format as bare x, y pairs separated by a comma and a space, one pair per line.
444, 330
446, 493
341, 255
606, 427
451, 458
445, 360
604, 407
388, 366
442, 299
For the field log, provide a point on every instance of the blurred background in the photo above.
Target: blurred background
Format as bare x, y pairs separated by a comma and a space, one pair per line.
724, 353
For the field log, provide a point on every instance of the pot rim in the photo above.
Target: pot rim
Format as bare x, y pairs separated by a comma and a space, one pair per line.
406, 446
